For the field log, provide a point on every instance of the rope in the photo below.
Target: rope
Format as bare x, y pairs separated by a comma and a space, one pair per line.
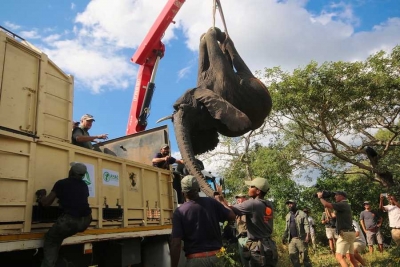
217, 4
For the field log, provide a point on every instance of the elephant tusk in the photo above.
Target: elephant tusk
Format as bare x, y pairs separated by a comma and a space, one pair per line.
165, 118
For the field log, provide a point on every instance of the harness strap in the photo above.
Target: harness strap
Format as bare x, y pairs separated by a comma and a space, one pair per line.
217, 4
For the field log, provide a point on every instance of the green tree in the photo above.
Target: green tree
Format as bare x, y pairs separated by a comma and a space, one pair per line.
333, 112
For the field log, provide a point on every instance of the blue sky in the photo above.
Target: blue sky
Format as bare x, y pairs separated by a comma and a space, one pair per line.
94, 41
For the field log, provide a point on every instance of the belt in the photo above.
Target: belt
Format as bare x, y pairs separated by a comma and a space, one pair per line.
395, 227
202, 254
347, 230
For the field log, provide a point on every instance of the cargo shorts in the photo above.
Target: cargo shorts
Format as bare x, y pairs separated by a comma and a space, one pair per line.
345, 243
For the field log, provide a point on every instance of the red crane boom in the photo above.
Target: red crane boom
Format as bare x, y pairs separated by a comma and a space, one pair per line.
147, 56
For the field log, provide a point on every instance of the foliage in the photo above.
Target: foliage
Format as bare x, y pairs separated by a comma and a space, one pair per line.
332, 112
227, 256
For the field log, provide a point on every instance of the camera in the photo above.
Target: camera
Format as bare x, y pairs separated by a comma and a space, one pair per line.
326, 194
385, 194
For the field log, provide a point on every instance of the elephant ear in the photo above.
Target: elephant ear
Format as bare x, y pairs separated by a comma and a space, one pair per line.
204, 140
222, 110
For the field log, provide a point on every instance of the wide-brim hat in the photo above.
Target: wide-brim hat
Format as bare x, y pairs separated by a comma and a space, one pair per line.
260, 183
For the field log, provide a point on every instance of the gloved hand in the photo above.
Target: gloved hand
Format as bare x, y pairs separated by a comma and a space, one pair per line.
41, 193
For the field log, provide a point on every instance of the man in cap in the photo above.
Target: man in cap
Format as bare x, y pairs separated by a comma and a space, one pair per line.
344, 227
241, 230
297, 234
81, 136
393, 210
196, 222
163, 158
260, 248
371, 223
72, 194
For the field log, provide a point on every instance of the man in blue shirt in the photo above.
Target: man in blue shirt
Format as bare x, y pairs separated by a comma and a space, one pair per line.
72, 193
196, 222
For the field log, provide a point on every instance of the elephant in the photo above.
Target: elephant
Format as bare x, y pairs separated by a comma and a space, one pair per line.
227, 100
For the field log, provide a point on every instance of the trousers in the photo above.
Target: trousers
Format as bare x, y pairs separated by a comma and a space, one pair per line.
65, 226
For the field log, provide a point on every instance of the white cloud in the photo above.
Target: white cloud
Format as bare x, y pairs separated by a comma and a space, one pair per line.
33, 34
96, 68
124, 23
11, 26
183, 72
267, 33
51, 38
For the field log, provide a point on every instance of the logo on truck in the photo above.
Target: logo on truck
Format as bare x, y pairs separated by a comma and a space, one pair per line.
86, 179
110, 177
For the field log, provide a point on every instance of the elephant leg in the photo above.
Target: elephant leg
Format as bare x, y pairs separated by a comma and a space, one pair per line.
204, 62
235, 120
220, 74
241, 67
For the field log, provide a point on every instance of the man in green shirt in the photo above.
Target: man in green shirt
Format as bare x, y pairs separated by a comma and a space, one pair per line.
81, 136
344, 227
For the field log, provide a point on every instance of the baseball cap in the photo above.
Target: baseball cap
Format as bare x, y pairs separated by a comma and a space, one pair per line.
87, 117
240, 195
260, 183
290, 201
189, 183
78, 168
164, 146
366, 202
342, 193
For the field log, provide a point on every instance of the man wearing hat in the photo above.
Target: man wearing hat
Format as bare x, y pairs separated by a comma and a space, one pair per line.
196, 222
163, 158
241, 230
81, 136
371, 223
344, 227
260, 248
72, 194
297, 234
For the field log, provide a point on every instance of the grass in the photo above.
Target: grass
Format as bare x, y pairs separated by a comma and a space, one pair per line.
321, 257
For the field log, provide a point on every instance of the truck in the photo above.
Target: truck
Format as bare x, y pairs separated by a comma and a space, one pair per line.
132, 202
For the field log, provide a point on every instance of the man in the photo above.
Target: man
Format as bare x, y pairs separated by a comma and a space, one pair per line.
297, 233
241, 230
329, 220
311, 223
163, 159
371, 223
344, 227
260, 248
393, 210
359, 244
81, 136
196, 222
72, 194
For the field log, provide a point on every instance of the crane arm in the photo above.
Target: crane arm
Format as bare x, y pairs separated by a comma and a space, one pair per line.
147, 56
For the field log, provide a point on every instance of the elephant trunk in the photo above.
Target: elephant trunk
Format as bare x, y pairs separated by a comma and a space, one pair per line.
185, 147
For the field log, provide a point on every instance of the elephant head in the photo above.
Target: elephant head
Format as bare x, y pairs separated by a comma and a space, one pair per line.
227, 100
